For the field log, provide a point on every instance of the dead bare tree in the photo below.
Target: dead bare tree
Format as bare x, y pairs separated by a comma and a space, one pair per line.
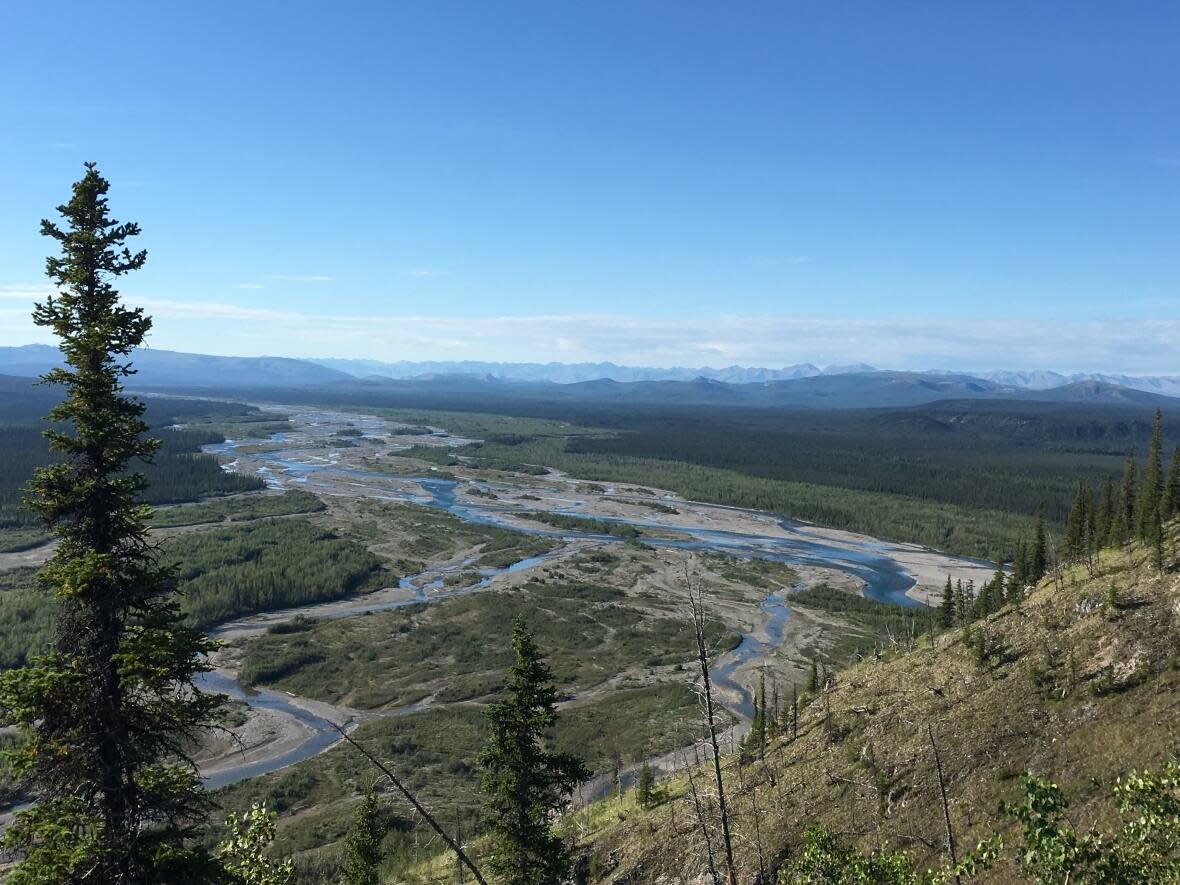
794, 711
702, 822
696, 605
757, 815
425, 815
946, 809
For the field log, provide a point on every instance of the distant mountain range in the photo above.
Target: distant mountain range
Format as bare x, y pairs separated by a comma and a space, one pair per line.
803, 385
167, 368
571, 373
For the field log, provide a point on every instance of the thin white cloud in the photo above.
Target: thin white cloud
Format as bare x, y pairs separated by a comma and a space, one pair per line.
425, 272
29, 292
207, 310
1126, 345
1120, 345
299, 278
249, 286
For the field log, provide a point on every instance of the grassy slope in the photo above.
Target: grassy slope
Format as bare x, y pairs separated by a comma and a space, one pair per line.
1074, 688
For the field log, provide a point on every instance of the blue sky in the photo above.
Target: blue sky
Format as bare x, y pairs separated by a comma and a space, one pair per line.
967, 185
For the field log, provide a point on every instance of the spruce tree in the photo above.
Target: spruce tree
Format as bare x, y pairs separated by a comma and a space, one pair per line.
1149, 494
813, 677
362, 859
1171, 493
1104, 521
1089, 528
1128, 499
110, 714
523, 780
1039, 556
1019, 579
946, 609
1075, 525
644, 793
997, 588
962, 610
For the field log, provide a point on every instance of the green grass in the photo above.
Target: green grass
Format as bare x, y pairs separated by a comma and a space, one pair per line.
455, 648
422, 534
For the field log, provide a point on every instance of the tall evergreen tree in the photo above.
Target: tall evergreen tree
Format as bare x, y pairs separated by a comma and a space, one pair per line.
644, 789
963, 603
1019, 578
1089, 528
1104, 519
1149, 494
1039, 556
996, 591
523, 780
1128, 500
1171, 494
362, 858
946, 608
1075, 524
110, 713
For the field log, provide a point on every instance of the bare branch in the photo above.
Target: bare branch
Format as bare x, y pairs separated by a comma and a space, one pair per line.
426, 815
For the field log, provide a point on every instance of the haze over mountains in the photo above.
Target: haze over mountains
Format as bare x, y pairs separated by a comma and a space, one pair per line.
803, 385
567, 373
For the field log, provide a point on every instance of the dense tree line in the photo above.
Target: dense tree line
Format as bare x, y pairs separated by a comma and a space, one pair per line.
887, 456
265, 565
238, 509
176, 473
584, 524
1136, 508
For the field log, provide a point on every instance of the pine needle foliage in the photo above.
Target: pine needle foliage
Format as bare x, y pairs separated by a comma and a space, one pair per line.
108, 715
523, 781
362, 859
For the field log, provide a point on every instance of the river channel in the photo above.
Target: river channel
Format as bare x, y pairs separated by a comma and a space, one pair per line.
884, 579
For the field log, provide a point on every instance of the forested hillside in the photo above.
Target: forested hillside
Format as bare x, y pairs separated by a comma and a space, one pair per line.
176, 473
